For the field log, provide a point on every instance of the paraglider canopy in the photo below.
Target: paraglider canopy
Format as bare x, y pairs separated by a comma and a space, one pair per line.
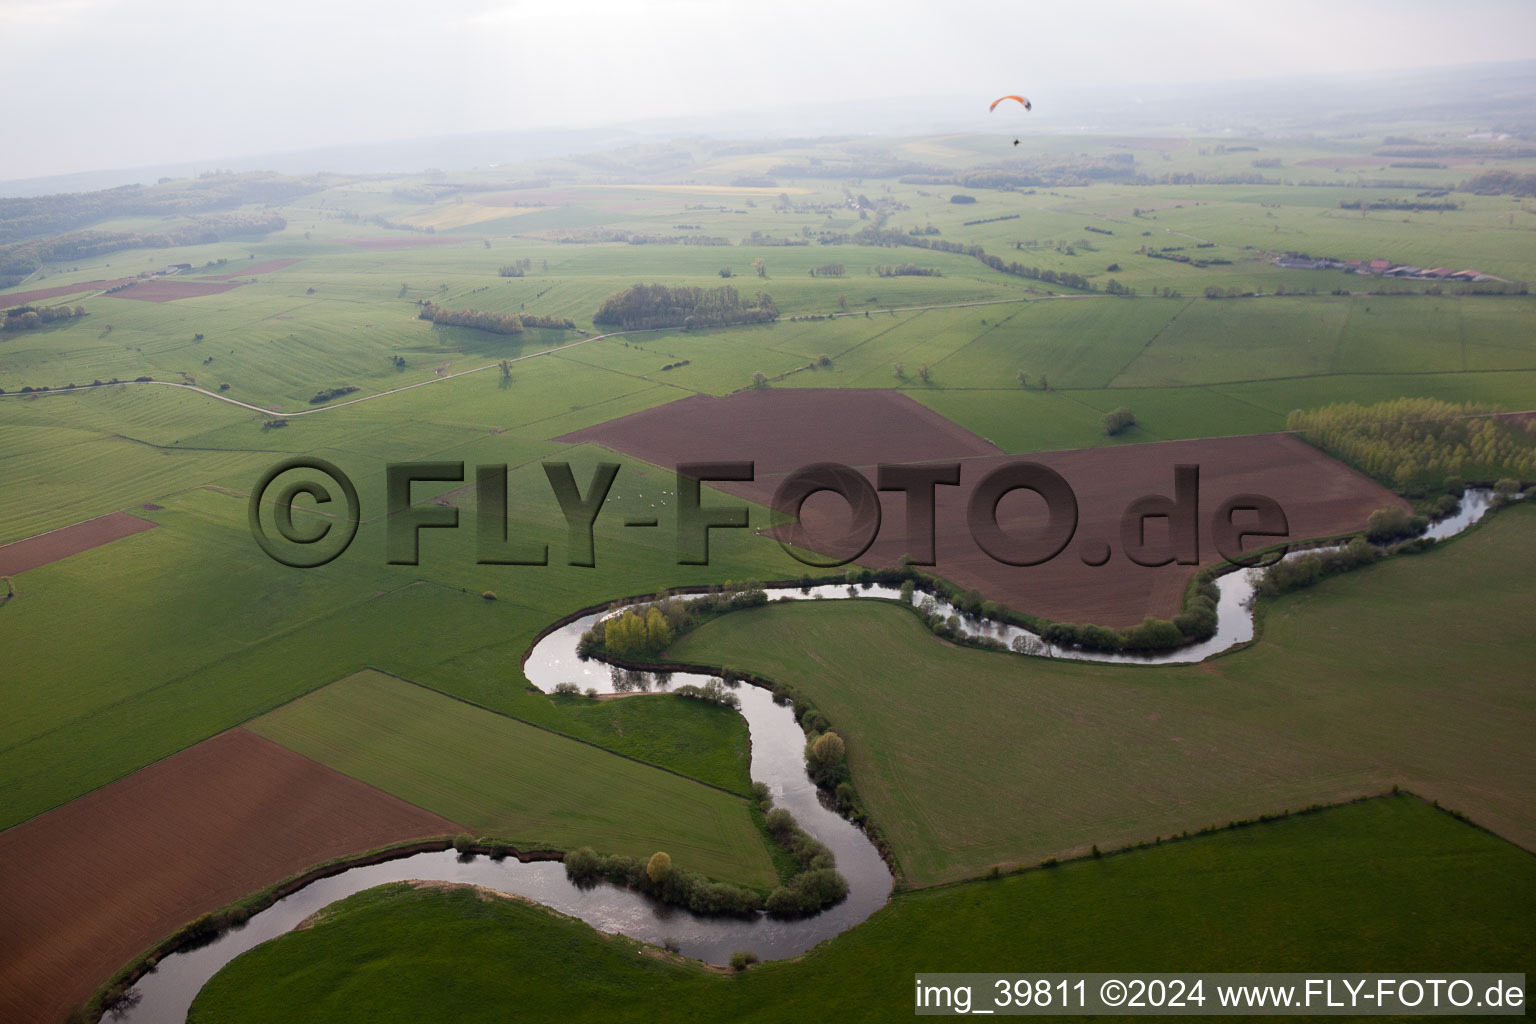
1022, 100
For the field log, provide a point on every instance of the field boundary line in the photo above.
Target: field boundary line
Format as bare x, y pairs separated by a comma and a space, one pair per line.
989, 329
534, 725
68, 526
128, 698
1110, 383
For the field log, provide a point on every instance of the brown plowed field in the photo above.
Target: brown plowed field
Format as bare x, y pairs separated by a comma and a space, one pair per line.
70, 540
169, 290
91, 884
266, 267
11, 299
783, 430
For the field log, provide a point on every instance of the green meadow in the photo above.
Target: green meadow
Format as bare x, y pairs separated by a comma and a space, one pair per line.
1387, 884
1410, 672
195, 630
519, 783
972, 759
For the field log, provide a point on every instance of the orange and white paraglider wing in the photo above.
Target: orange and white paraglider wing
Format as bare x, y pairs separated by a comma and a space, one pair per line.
1021, 99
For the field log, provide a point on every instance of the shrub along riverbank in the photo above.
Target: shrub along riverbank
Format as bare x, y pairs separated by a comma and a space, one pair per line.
813, 885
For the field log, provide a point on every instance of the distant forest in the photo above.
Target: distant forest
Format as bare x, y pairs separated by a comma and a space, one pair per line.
19, 259
37, 216
36, 229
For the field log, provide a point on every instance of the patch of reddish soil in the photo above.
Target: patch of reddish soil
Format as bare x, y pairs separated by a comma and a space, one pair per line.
93, 883
69, 540
404, 242
11, 299
169, 290
266, 267
782, 430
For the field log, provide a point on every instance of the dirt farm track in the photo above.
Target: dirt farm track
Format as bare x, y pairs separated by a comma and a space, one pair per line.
93, 883
781, 430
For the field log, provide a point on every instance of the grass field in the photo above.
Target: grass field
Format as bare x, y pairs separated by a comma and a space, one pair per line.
518, 783
969, 758
198, 631
696, 738
126, 654
203, 828
1385, 885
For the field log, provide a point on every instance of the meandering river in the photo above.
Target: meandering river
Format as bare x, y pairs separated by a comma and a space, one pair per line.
165, 994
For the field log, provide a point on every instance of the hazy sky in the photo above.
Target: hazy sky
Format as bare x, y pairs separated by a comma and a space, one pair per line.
92, 84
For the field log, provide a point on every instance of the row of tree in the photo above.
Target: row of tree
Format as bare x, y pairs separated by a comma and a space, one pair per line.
814, 884
1413, 205
759, 238
554, 323
655, 305
485, 320
479, 319
908, 270
326, 394
1064, 278
26, 318
589, 236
